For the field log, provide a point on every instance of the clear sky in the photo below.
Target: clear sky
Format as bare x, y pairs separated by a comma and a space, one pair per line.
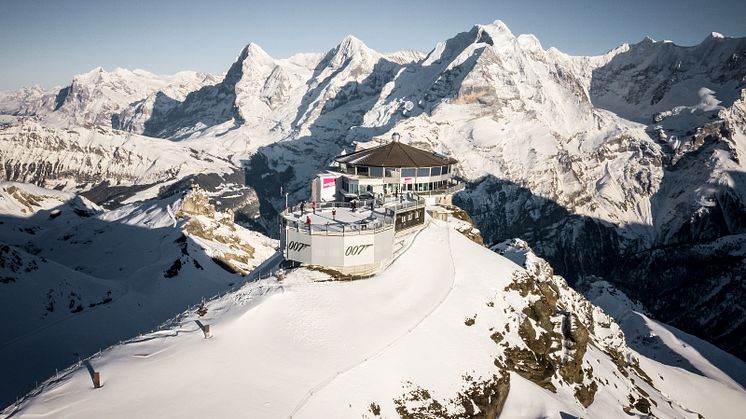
47, 42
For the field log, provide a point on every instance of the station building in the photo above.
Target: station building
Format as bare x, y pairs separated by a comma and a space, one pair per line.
391, 169
363, 203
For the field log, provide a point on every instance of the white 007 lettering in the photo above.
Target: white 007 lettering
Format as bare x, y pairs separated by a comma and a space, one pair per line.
356, 250
297, 246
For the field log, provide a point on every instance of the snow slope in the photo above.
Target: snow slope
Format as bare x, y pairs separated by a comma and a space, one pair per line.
664, 343
75, 278
435, 339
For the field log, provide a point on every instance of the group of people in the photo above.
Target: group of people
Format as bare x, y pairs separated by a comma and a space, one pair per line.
313, 208
303, 207
353, 206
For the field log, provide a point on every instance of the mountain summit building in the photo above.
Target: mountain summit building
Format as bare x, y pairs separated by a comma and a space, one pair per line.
391, 169
362, 203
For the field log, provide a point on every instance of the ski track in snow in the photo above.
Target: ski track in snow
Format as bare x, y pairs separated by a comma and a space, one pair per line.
302, 403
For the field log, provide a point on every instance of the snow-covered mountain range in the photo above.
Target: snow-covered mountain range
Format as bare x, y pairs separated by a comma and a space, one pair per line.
626, 167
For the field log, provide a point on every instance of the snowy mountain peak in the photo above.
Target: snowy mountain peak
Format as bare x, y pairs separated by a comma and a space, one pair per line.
351, 41
646, 41
350, 51
716, 35
529, 41
255, 52
351, 46
498, 27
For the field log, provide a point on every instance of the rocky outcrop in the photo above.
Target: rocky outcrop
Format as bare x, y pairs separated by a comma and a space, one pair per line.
204, 222
479, 399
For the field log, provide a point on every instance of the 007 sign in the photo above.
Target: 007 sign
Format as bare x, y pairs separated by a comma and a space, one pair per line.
356, 250
297, 246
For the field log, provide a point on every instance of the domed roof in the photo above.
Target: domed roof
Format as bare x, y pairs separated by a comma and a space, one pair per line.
395, 154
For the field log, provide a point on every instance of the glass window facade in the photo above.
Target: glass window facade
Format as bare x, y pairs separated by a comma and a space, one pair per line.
348, 186
375, 172
423, 171
408, 172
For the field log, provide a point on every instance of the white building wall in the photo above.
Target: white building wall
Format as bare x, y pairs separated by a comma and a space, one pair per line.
324, 188
338, 250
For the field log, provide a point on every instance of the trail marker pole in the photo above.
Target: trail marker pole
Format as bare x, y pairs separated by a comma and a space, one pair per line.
96, 379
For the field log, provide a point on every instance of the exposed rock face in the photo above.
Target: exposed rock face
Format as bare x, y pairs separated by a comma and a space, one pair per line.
558, 328
206, 223
480, 399
556, 339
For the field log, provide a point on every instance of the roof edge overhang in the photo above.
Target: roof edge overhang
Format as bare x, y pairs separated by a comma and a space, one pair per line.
438, 160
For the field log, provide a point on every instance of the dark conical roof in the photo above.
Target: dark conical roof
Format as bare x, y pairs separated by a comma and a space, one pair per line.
395, 154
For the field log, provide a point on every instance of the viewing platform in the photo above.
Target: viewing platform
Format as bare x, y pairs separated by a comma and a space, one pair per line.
351, 238
362, 202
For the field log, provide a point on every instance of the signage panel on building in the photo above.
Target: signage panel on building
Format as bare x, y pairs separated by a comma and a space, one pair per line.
298, 246
358, 250
329, 182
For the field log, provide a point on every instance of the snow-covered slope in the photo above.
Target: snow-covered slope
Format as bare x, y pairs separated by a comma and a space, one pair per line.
664, 343
75, 278
470, 333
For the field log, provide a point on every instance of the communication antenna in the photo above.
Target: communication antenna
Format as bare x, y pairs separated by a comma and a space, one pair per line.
408, 106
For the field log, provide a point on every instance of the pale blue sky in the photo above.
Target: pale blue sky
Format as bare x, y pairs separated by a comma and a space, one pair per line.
47, 42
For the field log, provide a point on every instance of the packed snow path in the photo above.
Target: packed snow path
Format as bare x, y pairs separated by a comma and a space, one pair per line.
326, 382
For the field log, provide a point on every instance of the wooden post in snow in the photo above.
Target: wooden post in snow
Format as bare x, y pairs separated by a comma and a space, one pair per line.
206, 331
96, 379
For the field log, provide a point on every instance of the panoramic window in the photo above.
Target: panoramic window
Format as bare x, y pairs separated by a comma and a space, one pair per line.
423, 171
376, 172
408, 172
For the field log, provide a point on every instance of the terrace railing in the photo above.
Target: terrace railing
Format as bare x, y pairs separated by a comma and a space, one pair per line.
343, 229
335, 204
442, 191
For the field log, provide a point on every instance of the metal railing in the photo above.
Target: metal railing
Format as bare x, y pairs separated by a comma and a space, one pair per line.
442, 191
343, 229
333, 204
384, 220
397, 206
